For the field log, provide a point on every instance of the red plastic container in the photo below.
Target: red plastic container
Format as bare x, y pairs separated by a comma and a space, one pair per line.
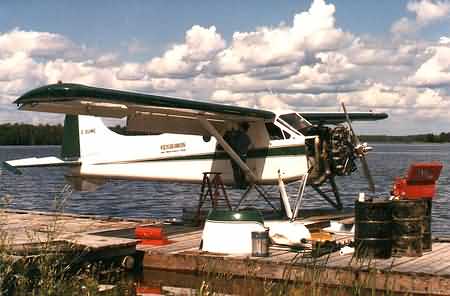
420, 183
151, 235
149, 232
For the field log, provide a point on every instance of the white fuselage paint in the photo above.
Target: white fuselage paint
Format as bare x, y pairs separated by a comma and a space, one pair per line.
179, 158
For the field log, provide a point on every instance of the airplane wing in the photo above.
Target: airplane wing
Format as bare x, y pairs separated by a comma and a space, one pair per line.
14, 165
144, 112
337, 117
150, 113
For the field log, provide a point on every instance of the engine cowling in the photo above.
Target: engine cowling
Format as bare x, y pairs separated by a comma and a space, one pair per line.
341, 155
332, 153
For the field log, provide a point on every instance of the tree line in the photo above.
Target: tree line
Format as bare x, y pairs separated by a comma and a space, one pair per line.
27, 134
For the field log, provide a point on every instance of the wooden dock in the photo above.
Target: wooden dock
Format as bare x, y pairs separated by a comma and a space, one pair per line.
25, 233
428, 275
108, 237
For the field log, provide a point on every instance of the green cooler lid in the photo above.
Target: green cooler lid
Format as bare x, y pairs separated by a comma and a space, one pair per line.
237, 216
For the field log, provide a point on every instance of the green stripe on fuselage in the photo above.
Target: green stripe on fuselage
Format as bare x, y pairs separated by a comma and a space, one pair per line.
222, 155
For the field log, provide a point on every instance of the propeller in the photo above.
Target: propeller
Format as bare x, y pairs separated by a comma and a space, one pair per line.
360, 150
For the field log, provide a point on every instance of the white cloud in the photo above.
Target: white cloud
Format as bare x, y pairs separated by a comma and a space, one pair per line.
436, 70
131, 71
430, 98
33, 43
444, 40
404, 26
378, 95
311, 31
107, 60
402, 102
428, 11
187, 59
78, 72
273, 102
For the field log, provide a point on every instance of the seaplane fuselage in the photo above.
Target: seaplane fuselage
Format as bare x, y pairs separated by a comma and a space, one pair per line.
183, 158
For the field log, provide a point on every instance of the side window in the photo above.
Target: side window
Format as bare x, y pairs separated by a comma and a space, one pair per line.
286, 135
274, 131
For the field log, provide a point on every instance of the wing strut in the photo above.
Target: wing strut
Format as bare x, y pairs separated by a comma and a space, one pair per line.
213, 131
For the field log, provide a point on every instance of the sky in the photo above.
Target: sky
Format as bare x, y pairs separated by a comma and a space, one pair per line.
386, 56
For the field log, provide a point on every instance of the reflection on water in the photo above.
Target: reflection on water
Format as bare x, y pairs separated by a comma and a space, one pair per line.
37, 187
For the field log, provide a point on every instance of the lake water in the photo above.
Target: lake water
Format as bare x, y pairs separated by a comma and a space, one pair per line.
37, 188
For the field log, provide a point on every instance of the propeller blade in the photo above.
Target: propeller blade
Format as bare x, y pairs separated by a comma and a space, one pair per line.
349, 123
357, 144
367, 174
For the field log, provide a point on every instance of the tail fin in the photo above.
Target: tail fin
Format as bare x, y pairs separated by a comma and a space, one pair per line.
71, 138
88, 138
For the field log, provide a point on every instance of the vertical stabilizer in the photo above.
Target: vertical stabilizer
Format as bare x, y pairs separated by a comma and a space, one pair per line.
97, 141
89, 141
70, 149
86, 137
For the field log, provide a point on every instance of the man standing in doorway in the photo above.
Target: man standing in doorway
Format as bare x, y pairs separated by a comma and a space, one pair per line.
240, 142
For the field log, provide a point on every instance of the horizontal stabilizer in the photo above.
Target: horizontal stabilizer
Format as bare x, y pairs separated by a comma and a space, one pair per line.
13, 165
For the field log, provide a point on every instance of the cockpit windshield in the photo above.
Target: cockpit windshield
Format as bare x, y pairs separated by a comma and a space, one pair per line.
296, 121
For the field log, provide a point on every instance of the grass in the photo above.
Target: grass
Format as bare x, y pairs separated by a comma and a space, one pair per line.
52, 267
305, 275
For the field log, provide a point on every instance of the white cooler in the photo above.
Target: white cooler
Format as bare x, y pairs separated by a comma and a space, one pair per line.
230, 232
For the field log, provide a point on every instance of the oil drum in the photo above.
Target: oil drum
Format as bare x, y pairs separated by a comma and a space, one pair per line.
373, 225
407, 227
426, 235
260, 243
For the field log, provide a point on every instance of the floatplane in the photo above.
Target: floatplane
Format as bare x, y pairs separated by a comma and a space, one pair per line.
180, 139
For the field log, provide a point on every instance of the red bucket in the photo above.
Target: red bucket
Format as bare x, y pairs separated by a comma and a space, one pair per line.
151, 235
150, 232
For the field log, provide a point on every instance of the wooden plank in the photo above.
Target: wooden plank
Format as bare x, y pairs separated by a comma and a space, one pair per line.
402, 261
71, 215
429, 263
444, 271
281, 257
274, 253
336, 260
173, 247
29, 231
178, 246
185, 236
265, 269
397, 261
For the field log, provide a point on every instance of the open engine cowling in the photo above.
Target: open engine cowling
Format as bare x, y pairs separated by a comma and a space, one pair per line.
331, 153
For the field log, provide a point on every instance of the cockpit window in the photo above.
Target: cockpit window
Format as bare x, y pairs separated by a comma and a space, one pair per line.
274, 131
294, 120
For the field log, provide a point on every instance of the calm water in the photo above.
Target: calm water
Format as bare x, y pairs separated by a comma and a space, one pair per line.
37, 188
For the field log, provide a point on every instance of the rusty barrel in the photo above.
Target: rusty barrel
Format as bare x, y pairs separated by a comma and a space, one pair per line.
373, 225
426, 235
407, 227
